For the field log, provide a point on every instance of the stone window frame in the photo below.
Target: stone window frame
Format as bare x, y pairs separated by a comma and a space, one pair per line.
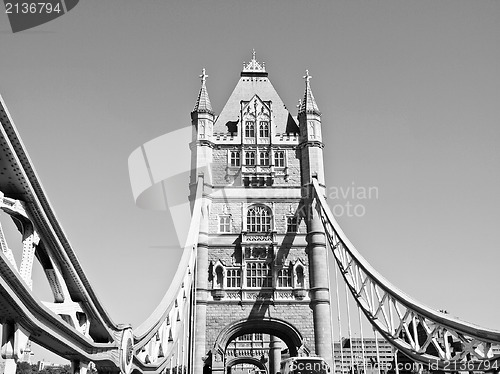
258, 226
264, 158
262, 280
289, 225
249, 129
264, 129
279, 162
234, 158
289, 277
248, 158
233, 277
226, 224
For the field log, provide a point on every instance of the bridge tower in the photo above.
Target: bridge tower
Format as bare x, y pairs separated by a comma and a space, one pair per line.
261, 262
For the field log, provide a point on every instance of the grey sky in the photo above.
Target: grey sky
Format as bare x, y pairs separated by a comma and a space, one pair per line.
409, 92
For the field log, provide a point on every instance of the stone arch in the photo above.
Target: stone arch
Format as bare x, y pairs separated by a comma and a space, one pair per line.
272, 326
246, 360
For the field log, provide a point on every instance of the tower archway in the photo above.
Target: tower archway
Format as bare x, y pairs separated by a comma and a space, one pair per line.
281, 329
272, 326
245, 360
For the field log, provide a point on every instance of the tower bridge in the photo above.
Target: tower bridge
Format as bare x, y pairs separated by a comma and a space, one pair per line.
253, 283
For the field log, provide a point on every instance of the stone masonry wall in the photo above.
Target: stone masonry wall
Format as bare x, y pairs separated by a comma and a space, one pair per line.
281, 211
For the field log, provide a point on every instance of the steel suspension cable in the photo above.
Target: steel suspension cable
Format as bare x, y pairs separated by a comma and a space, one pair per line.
185, 338
330, 298
362, 343
349, 326
338, 317
376, 348
178, 354
396, 361
193, 315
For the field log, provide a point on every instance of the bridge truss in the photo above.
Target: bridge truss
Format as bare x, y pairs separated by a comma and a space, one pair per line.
76, 326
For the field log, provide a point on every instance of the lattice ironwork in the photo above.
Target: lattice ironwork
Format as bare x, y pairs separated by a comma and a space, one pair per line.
424, 335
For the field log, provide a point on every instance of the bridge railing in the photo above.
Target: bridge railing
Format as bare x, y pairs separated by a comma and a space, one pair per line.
426, 336
163, 343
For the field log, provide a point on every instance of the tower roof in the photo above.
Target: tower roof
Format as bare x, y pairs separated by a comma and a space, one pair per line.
254, 81
308, 104
203, 104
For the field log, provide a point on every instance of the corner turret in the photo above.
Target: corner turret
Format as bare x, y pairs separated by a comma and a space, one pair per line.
202, 120
311, 142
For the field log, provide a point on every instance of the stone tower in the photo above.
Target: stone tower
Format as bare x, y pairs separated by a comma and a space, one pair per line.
261, 264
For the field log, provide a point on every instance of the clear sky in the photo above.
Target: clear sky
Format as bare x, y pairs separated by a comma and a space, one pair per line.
409, 92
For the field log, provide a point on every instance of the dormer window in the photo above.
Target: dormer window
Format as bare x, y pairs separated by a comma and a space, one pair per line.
264, 129
249, 129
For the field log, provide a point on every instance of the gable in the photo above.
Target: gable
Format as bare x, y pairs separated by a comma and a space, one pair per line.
245, 91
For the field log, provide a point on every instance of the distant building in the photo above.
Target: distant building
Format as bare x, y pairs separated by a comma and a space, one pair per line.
356, 355
27, 353
41, 365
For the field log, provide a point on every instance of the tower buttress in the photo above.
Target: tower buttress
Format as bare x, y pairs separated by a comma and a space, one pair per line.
311, 149
202, 120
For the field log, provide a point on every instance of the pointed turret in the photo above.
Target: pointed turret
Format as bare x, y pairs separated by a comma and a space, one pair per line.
202, 119
203, 104
308, 104
310, 135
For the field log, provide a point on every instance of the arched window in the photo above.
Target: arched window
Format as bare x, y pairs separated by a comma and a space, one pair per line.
264, 129
250, 158
279, 159
259, 219
299, 281
219, 277
249, 129
264, 158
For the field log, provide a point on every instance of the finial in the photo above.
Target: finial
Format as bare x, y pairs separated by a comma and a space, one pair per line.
299, 104
253, 66
307, 77
203, 76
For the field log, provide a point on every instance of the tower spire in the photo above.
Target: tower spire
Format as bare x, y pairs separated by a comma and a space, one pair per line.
203, 104
308, 104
